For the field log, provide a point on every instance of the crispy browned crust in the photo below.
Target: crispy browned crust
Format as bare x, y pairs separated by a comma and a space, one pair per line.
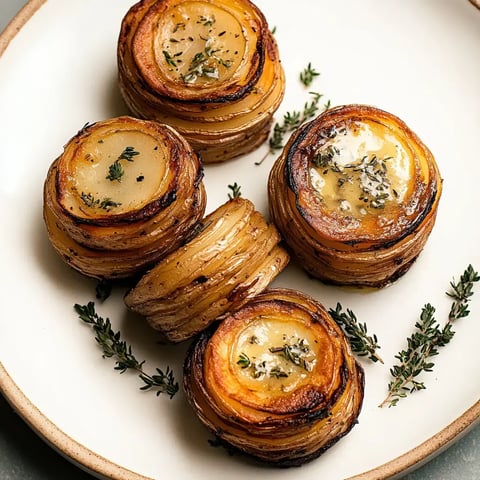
286, 429
326, 244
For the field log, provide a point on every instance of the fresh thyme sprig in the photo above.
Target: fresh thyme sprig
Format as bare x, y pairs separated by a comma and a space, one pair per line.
236, 191
292, 120
308, 74
362, 344
461, 293
115, 170
114, 347
429, 336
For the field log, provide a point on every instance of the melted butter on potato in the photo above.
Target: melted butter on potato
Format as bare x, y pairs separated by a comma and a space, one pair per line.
274, 356
200, 42
362, 169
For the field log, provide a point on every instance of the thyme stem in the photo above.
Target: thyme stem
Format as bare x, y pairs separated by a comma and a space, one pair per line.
362, 344
429, 336
114, 347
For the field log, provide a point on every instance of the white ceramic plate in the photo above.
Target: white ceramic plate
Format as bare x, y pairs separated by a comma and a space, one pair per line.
417, 59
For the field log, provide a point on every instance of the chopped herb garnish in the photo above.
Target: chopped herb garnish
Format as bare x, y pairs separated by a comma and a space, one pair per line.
243, 360
278, 372
206, 21
297, 353
370, 173
115, 170
204, 64
105, 204
128, 154
169, 59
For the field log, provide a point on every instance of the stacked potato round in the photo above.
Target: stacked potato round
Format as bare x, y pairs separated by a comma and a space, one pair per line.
276, 379
355, 194
123, 194
210, 69
233, 257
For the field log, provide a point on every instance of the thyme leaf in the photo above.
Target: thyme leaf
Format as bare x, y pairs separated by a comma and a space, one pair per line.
169, 59
429, 336
236, 191
115, 170
105, 204
243, 360
103, 289
291, 121
308, 74
297, 353
362, 344
113, 346
128, 154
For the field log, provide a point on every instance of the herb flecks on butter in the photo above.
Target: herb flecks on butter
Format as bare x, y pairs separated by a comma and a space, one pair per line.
359, 168
370, 174
105, 204
205, 63
294, 352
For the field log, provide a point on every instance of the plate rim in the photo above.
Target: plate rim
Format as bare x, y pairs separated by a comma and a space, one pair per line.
102, 467
98, 465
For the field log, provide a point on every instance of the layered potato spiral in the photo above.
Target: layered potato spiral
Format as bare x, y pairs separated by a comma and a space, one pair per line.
276, 379
233, 257
124, 193
209, 69
355, 194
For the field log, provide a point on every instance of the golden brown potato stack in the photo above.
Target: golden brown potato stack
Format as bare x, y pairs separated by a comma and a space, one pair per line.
355, 194
123, 194
276, 380
209, 69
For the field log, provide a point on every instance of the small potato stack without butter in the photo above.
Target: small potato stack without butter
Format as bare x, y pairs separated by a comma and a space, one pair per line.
355, 194
235, 256
209, 69
123, 194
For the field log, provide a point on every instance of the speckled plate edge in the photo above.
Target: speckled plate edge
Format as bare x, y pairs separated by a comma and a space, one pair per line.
104, 468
